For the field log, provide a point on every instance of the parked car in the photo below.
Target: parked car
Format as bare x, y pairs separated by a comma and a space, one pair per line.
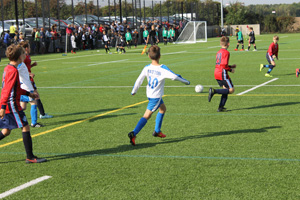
6, 28
28, 25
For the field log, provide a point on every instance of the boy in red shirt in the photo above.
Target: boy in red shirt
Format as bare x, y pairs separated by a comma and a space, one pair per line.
221, 74
272, 53
11, 113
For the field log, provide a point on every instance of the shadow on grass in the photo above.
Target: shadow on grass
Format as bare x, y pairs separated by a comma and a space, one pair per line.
269, 106
90, 120
128, 147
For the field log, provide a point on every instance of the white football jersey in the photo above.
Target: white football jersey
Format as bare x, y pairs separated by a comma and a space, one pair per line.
25, 78
156, 76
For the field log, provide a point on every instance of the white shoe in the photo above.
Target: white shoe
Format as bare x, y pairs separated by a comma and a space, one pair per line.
46, 116
246, 50
254, 50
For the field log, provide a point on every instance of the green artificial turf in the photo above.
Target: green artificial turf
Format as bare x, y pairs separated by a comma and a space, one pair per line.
249, 152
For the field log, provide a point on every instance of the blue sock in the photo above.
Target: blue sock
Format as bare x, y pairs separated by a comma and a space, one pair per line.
33, 113
269, 71
158, 121
267, 66
140, 125
222, 91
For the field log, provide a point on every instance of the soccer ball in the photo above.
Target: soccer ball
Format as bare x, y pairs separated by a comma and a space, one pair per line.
198, 88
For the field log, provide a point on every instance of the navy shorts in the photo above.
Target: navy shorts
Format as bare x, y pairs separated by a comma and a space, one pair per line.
269, 58
14, 120
227, 83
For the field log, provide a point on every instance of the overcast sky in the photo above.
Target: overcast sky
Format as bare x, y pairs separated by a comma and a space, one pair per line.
248, 2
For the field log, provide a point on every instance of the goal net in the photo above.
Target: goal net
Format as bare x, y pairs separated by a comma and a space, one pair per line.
194, 31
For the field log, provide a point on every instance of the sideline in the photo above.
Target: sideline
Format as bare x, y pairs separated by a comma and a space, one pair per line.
265, 83
24, 186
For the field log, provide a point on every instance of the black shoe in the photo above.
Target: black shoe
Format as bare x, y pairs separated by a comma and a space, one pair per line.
37, 125
222, 109
35, 160
132, 138
210, 94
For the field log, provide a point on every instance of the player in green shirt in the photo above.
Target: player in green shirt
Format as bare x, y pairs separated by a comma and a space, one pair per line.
165, 36
145, 35
128, 39
240, 40
172, 34
169, 35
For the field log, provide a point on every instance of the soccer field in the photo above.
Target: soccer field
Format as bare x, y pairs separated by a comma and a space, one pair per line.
249, 152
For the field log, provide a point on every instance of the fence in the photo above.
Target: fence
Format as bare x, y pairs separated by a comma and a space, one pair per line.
44, 13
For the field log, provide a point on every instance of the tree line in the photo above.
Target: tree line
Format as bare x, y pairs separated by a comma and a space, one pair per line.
207, 10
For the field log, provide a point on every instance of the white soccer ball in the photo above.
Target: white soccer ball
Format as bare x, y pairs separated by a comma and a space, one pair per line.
198, 88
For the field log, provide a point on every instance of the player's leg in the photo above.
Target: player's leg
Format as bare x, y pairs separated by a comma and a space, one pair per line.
242, 42
158, 122
40, 106
254, 45
33, 114
237, 46
28, 146
4, 133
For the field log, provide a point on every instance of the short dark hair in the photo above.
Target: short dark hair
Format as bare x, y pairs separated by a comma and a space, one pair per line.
224, 40
154, 52
24, 44
13, 52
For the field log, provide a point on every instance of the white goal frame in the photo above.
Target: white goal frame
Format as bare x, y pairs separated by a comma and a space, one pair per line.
193, 37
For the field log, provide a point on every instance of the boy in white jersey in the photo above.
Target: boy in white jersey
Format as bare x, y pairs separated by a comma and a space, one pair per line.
156, 75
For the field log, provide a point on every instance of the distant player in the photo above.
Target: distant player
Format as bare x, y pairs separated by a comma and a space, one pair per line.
172, 36
240, 40
121, 44
106, 41
221, 74
152, 37
272, 53
156, 75
165, 35
11, 113
145, 35
128, 39
251, 39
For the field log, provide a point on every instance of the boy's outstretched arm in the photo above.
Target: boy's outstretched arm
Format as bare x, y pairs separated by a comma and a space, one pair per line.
138, 82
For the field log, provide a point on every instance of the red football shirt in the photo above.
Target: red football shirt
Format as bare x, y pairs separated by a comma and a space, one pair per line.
273, 49
11, 90
222, 68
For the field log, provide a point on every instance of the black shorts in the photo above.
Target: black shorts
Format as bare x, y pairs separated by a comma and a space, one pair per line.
106, 43
227, 83
165, 38
269, 58
252, 41
241, 41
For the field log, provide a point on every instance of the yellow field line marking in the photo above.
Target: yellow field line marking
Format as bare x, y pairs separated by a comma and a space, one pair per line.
73, 123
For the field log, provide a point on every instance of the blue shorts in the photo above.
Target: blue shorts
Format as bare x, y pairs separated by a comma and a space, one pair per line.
26, 99
154, 103
14, 120
269, 58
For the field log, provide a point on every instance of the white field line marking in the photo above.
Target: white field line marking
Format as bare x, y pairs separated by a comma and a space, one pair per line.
22, 187
274, 79
107, 62
214, 47
170, 86
284, 36
289, 59
174, 53
70, 57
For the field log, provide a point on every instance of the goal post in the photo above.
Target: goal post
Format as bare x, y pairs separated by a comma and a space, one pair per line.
194, 31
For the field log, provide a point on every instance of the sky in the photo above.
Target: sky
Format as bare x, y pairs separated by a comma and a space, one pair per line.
248, 2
